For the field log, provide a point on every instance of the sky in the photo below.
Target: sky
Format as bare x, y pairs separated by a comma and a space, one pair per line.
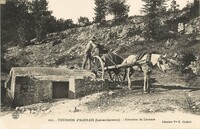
2, 1
73, 9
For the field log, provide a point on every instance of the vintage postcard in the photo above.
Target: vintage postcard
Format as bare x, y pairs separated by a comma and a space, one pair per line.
104, 64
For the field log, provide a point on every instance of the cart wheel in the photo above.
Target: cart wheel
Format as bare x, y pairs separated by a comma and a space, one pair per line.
118, 75
98, 67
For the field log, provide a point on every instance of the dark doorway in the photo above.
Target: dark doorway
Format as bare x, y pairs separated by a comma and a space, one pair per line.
60, 89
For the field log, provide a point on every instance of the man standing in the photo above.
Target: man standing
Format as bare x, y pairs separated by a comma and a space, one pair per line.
91, 46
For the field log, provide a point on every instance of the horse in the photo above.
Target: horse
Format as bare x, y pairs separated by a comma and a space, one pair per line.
145, 63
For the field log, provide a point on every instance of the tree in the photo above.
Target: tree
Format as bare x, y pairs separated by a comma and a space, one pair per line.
41, 15
153, 19
194, 10
100, 10
60, 23
24, 21
9, 27
68, 24
174, 7
51, 24
118, 8
64, 24
83, 21
16, 22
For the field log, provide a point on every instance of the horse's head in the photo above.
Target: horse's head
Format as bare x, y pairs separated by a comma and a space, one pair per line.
163, 63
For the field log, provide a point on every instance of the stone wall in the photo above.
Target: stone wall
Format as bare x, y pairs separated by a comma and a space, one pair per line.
29, 90
44, 90
86, 86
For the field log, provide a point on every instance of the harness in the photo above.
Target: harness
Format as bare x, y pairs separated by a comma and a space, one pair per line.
160, 63
147, 63
139, 57
148, 60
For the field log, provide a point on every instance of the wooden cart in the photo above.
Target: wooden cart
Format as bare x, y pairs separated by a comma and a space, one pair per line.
110, 64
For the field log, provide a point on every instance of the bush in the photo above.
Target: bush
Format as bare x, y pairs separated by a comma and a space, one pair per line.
184, 61
195, 67
83, 21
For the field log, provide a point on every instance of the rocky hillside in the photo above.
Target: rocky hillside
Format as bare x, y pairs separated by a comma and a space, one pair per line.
65, 49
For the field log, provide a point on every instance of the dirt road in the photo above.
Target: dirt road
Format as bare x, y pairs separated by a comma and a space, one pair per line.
119, 104
162, 99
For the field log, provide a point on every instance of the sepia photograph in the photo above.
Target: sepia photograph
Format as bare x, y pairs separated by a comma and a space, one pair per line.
103, 64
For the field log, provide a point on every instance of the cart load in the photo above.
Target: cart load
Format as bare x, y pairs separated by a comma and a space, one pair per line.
101, 66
